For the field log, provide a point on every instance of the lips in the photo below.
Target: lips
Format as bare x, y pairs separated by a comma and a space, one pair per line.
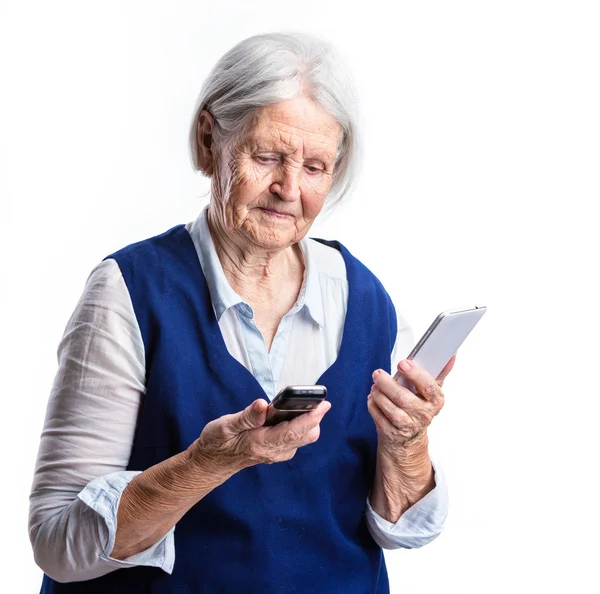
276, 212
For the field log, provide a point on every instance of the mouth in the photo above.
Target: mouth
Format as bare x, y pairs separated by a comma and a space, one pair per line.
275, 213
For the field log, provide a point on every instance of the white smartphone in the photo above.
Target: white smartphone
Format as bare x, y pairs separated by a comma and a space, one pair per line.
442, 340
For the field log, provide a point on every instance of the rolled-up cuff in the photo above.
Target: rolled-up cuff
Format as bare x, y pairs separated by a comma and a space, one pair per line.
418, 525
103, 495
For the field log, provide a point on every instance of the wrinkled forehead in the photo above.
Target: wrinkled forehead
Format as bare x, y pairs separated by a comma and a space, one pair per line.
293, 126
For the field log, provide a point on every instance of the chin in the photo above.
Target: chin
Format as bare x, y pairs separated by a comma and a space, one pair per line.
268, 235
274, 244
269, 239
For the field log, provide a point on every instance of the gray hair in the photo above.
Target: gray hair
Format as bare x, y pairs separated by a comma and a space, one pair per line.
266, 69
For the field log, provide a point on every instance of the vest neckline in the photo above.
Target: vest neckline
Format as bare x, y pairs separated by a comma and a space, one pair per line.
226, 365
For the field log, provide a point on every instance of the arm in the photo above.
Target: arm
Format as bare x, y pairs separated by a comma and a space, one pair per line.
403, 476
81, 490
88, 515
419, 525
156, 499
83, 454
409, 500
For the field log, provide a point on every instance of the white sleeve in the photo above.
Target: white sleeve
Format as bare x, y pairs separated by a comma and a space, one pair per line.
418, 525
423, 521
87, 438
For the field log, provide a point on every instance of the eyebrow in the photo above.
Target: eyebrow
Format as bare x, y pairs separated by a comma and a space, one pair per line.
317, 155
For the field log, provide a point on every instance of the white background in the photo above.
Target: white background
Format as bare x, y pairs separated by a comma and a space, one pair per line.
480, 185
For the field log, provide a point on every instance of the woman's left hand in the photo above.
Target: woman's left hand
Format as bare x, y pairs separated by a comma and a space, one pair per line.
399, 415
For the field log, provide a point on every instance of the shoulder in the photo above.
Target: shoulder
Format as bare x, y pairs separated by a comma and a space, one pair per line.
338, 260
104, 283
151, 246
104, 304
150, 259
335, 261
328, 259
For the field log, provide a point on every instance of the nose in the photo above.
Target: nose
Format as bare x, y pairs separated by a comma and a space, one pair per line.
287, 186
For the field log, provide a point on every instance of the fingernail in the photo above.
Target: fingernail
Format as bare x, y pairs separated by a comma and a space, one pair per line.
404, 365
376, 373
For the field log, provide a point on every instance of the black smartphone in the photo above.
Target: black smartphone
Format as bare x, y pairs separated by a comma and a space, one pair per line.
294, 401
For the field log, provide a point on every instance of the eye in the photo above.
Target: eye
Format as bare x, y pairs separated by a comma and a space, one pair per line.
265, 160
313, 169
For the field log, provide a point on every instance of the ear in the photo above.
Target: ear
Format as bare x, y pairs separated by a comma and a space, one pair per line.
206, 159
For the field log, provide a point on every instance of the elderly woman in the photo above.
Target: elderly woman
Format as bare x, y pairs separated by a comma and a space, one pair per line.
156, 472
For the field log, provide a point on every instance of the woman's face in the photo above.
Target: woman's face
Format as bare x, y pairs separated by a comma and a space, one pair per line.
283, 172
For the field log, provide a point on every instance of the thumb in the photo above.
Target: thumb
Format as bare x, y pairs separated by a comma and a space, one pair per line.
251, 417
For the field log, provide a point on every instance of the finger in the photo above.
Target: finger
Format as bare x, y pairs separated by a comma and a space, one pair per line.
444, 373
426, 386
295, 429
311, 419
395, 415
383, 424
313, 435
399, 395
251, 417
300, 431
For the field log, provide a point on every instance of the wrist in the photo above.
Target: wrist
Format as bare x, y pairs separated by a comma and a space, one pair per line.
414, 451
403, 476
206, 461
408, 467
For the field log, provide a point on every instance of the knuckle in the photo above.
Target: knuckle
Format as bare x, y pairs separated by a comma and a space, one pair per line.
400, 393
292, 436
401, 396
423, 420
401, 421
430, 389
229, 420
395, 417
222, 431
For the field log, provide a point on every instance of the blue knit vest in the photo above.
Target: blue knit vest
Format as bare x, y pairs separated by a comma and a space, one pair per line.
290, 527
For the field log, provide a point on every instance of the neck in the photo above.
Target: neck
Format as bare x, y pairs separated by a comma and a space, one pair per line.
250, 269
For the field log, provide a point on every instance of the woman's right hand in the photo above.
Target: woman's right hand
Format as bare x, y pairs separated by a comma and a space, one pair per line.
240, 440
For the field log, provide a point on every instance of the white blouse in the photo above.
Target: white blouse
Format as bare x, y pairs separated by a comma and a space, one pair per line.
93, 407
